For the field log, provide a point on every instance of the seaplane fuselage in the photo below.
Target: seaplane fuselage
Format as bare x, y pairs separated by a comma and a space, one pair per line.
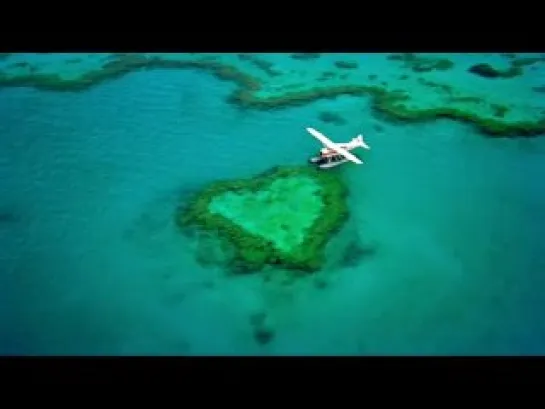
334, 154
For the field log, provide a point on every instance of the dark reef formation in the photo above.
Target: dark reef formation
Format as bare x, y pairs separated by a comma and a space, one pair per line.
514, 70
261, 331
355, 253
331, 118
346, 65
245, 96
327, 75
447, 89
422, 64
500, 110
527, 61
487, 71
266, 66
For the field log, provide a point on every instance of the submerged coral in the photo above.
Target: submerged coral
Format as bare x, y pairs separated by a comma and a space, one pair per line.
265, 66
252, 93
422, 64
283, 217
514, 70
331, 117
346, 65
487, 71
262, 332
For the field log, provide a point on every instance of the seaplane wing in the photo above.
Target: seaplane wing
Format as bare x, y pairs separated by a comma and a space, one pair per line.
331, 145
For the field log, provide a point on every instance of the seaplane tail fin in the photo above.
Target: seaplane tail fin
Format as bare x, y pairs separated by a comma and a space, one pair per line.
361, 142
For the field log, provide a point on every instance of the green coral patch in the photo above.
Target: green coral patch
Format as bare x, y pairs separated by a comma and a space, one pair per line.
261, 91
487, 71
281, 213
283, 217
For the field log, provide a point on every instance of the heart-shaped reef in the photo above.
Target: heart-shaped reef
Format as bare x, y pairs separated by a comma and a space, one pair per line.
283, 217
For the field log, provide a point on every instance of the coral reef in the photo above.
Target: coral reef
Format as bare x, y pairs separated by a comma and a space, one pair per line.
320, 283
422, 64
331, 117
515, 69
443, 87
252, 91
355, 253
524, 61
266, 66
500, 110
305, 56
487, 71
488, 126
261, 331
283, 217
327, 75
123, 64
346, 65
263, 335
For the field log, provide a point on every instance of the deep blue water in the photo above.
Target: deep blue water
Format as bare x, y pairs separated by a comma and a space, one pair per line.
92, 264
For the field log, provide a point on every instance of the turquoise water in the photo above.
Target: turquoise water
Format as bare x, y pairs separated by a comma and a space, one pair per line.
92, 263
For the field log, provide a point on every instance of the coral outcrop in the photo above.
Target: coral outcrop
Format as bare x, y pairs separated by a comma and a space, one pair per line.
423, 96
283, 217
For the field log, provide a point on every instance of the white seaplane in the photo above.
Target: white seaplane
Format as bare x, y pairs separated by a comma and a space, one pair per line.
335, 154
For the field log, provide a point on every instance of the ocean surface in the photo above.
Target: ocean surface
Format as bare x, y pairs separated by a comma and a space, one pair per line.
92, 264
